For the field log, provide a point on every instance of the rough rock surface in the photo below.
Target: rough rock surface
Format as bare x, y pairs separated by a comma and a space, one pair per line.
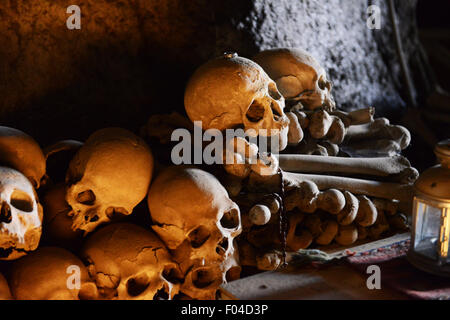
132, 58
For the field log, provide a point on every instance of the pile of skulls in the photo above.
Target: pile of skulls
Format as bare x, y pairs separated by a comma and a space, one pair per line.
338, 176
104, 219
81, 241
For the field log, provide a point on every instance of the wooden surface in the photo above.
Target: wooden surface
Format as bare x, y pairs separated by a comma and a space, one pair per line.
330, 283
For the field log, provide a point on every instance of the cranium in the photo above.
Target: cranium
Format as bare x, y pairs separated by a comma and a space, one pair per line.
128, 262
51, 273
234, 92
20, 215
298, 76
197, 220
110, 174
57, 223
21, 152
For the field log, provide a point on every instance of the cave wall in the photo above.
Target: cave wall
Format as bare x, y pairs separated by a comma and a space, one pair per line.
132, 58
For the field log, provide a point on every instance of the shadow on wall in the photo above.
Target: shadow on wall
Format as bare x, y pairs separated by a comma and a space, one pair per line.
128, 60
132, 58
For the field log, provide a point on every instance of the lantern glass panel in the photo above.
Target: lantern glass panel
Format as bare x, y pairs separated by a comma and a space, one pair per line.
428, 227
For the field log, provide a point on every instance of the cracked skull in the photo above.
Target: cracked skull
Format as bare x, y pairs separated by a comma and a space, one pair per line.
128, 262
298, 76
109, 175
20, 215
233, 92
197, 220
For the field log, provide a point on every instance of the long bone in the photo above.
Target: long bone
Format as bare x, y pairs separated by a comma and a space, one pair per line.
377, 189
295, 133
355, 117
321, 228
327, 126
347, 207
322, 125
395, 168
311, 146
373, 148
378, 129
308, 198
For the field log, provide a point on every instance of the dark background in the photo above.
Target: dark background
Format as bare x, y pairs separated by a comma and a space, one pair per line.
433, 20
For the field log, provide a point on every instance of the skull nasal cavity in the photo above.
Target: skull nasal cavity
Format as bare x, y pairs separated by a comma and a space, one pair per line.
21, 201
198, 236
275, 111
256, 112
222, 247
86, 197
230, 219
137, 285
172, 274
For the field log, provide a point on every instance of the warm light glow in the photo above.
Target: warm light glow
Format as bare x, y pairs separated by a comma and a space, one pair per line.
444, 234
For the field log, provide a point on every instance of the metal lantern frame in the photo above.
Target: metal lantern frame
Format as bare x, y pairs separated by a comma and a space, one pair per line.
430, 236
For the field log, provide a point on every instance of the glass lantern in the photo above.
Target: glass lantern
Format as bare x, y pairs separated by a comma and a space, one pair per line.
430, 238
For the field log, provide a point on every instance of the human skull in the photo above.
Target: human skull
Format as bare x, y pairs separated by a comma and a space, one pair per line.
21, 152
233, 92
129, 262
298, 76
57, 223
110, 174
197, 220
20, 215
51, 273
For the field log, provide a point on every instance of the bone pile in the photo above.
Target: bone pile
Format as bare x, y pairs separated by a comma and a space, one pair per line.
316, 126
321, 210
328, 197
127, 225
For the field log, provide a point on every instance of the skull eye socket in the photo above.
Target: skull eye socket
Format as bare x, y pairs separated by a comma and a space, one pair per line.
230, 219
138, 284
198, 236
21, 201
86, 197
222, 247
322, 83
256, 112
